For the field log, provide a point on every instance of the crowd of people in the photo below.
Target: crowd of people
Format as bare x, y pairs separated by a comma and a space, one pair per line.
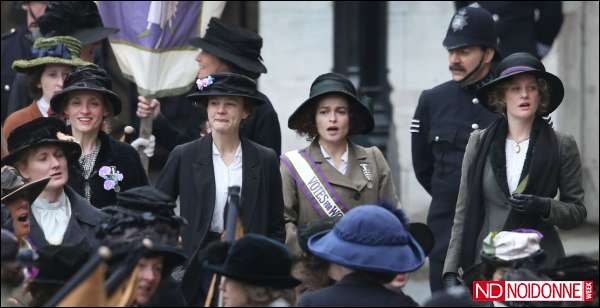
316, 226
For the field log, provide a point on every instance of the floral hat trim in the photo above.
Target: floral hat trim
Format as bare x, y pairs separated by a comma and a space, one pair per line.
204, 82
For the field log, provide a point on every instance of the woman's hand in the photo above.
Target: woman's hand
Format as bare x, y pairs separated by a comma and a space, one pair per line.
148, 108
530, 204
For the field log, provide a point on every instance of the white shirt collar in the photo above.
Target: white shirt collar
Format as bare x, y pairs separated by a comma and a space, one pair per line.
238, 150
327, 156
43, 106
52, 217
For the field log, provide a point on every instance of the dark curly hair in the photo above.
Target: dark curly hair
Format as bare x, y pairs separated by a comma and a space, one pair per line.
307, 120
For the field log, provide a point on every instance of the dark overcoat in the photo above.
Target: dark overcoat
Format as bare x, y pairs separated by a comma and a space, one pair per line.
189, 175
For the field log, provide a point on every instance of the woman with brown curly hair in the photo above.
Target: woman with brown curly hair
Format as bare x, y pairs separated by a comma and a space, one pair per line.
513, 169
332, 175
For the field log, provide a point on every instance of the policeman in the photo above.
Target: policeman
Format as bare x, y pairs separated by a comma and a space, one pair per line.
444, 119
16, 44
529, 26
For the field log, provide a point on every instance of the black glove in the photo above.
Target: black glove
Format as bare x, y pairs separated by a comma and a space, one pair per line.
450, 280
530, 204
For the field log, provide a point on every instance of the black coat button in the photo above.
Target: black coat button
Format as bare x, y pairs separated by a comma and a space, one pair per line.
356, 196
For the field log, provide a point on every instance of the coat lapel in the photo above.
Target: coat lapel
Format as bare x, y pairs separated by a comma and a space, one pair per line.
354, 178
250, 181
204, 181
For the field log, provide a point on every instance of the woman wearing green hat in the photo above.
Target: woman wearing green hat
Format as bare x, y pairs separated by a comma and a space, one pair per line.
333, 174
54, 59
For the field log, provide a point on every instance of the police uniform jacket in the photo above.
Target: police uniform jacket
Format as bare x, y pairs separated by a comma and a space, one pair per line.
566, 213
444, 118
189, 174
15, 45
353, 187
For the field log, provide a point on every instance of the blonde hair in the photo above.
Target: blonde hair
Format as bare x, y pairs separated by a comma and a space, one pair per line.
496, 97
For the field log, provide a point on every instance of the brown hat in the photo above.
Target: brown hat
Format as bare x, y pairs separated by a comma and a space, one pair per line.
14, 187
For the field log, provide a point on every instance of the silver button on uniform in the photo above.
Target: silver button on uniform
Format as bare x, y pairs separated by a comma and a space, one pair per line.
6, 87
474, 126
475, 100
437, 138
495, 17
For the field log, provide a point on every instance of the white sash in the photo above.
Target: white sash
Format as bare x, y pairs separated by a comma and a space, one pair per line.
315, 191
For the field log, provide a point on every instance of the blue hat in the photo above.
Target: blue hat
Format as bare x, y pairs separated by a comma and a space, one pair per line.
369, 238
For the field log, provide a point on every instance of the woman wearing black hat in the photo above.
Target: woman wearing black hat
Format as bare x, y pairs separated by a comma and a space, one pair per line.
257, 272
512, 170
199, 172
106, 165
225, 48
142, 229
61, 216
333, 174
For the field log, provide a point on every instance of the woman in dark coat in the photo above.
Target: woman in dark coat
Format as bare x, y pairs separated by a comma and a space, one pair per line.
513, 169
200, 171
60, 215
106, 165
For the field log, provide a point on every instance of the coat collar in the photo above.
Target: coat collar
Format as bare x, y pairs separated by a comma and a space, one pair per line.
80, 213
354, 178
204, 176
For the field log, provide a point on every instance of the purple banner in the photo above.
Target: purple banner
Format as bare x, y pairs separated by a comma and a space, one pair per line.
152, 24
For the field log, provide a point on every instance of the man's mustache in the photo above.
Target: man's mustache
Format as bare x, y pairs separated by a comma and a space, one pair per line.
456, 68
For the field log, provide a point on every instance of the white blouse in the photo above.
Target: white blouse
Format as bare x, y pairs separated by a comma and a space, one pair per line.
53, 217
225, 176
515, 162
43, 106
343, 167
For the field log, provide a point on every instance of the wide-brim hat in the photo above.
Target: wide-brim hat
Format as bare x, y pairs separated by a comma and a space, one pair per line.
226, 84
523, 63
86, 78
38, 132
258, 260
369, 238
53, 50
14, 187
80, 19
332, 83
233, 44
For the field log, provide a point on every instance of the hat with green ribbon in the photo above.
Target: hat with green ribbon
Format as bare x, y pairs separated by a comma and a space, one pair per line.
52, 50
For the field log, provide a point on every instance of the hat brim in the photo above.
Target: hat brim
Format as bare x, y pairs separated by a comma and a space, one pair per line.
555, 85
384, 258
59, 100
173, 256
450, 43
364, 118
91, 35
254, 66
202, 96
29, 191
71, 149
277, 282
25, 66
